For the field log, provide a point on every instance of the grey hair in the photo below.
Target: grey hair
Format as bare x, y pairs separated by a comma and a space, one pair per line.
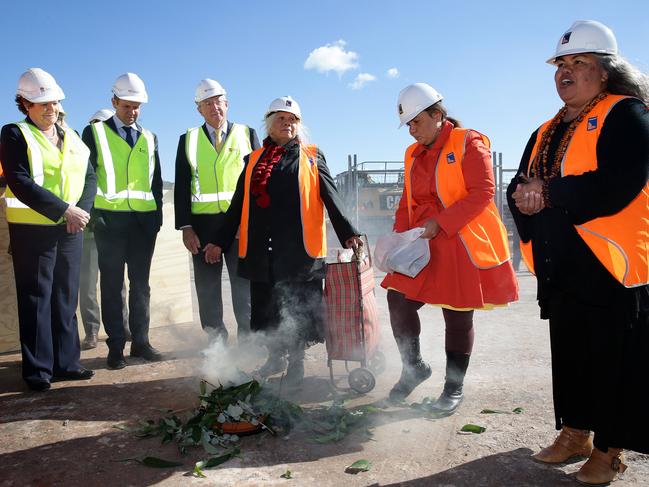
302, 130
624, 78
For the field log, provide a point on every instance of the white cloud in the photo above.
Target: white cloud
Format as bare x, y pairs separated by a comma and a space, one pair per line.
393, 73
332, 57
361, 80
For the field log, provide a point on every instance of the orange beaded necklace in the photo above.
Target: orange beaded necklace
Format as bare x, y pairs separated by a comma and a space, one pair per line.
540, 162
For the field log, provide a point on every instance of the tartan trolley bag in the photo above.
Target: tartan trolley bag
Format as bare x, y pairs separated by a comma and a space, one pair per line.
352, 325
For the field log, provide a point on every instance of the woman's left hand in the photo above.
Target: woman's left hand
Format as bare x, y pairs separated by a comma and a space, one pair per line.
355, 241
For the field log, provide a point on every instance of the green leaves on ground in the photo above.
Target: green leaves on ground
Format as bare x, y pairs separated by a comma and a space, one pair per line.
473, 428
358, 466
335, 422
500, 411
214, 461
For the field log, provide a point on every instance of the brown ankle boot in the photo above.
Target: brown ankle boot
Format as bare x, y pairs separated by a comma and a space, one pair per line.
570, 442
601, 468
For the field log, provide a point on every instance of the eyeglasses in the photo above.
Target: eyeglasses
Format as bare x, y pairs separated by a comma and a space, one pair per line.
220, 101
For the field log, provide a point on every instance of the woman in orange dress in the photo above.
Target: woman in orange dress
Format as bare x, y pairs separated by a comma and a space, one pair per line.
448, 190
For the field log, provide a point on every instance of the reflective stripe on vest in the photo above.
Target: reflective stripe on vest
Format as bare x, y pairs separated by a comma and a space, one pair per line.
311, 206
215, 176
62, 173
484, 237
620, 241
124, 182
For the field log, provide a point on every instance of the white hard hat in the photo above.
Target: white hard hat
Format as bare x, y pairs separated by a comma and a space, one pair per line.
38, 86
284, 104
207, 88
414, 99
130, 87
102, 115
585, 36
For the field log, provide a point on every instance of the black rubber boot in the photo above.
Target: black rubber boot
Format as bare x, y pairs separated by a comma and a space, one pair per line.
295, 371
414, 370
452, 395
276, 361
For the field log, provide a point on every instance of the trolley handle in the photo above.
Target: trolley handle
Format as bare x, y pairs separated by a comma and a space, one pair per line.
358, 251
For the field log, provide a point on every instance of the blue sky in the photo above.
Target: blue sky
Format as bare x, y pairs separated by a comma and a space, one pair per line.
486, 58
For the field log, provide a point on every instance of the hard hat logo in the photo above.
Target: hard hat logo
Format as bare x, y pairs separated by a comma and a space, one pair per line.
400, 109
289, 103
566, 38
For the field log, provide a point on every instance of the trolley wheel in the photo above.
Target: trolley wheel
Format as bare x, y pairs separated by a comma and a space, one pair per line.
361, 380
377, 362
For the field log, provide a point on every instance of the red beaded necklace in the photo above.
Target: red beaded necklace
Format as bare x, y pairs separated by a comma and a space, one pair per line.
541, 159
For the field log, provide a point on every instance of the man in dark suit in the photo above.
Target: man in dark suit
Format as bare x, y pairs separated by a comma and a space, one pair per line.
127, 217
208, 164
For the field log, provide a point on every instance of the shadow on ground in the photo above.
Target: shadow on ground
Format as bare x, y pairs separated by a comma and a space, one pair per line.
512, 468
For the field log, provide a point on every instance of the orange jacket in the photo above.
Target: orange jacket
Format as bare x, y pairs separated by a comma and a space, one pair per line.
311, 206
485, 237
621, 241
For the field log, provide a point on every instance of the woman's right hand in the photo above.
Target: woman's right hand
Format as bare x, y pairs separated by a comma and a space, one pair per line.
431, 229
76, 219
528, 196
212, 253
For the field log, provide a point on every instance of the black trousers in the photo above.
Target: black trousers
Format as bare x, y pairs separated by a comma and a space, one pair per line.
130, 246
88, 304
292, 312
46, 264
208, 282
600, 366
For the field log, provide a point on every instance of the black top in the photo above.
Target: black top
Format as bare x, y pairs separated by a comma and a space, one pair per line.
279, 227
13, 154
562, 260
118, 220
204, 225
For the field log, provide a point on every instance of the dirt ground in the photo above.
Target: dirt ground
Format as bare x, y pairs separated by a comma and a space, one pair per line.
65, 437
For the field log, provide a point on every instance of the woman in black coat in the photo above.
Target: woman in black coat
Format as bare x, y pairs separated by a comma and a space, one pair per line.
581, 206
279, 206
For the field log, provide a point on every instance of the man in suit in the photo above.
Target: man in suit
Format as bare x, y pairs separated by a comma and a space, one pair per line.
88, 305
127, 216
208, 164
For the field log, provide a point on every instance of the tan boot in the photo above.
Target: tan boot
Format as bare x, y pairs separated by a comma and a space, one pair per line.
601, 468
570, 442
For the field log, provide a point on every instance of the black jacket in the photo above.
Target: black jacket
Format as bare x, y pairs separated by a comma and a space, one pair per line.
279, 227
13, 154
562, 260
151, 221
204, 225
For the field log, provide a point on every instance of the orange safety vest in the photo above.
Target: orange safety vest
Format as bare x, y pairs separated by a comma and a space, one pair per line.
620, 241
311, 206
484, 237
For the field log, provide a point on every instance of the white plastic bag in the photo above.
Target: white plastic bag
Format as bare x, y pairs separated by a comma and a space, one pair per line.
404, 252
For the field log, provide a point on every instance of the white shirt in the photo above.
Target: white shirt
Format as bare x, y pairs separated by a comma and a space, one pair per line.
122, 133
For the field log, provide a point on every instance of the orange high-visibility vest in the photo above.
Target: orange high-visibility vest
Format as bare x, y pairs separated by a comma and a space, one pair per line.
311, 206
621, 241
484, 237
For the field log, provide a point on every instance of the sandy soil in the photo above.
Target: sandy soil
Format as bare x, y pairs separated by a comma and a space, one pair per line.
66, 437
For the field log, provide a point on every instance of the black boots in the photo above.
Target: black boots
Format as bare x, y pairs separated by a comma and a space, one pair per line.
295, 371
414, 371
451, 397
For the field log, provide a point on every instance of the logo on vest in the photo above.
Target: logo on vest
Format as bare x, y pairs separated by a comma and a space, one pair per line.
140, 149
450, 158
311, 161
591, 124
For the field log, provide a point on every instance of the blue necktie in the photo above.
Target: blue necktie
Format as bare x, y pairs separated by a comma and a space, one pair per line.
129, 135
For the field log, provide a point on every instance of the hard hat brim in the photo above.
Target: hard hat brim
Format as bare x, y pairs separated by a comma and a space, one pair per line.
136, 99
572, 52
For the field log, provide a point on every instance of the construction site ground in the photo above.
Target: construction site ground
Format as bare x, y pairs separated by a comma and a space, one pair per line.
66, 437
